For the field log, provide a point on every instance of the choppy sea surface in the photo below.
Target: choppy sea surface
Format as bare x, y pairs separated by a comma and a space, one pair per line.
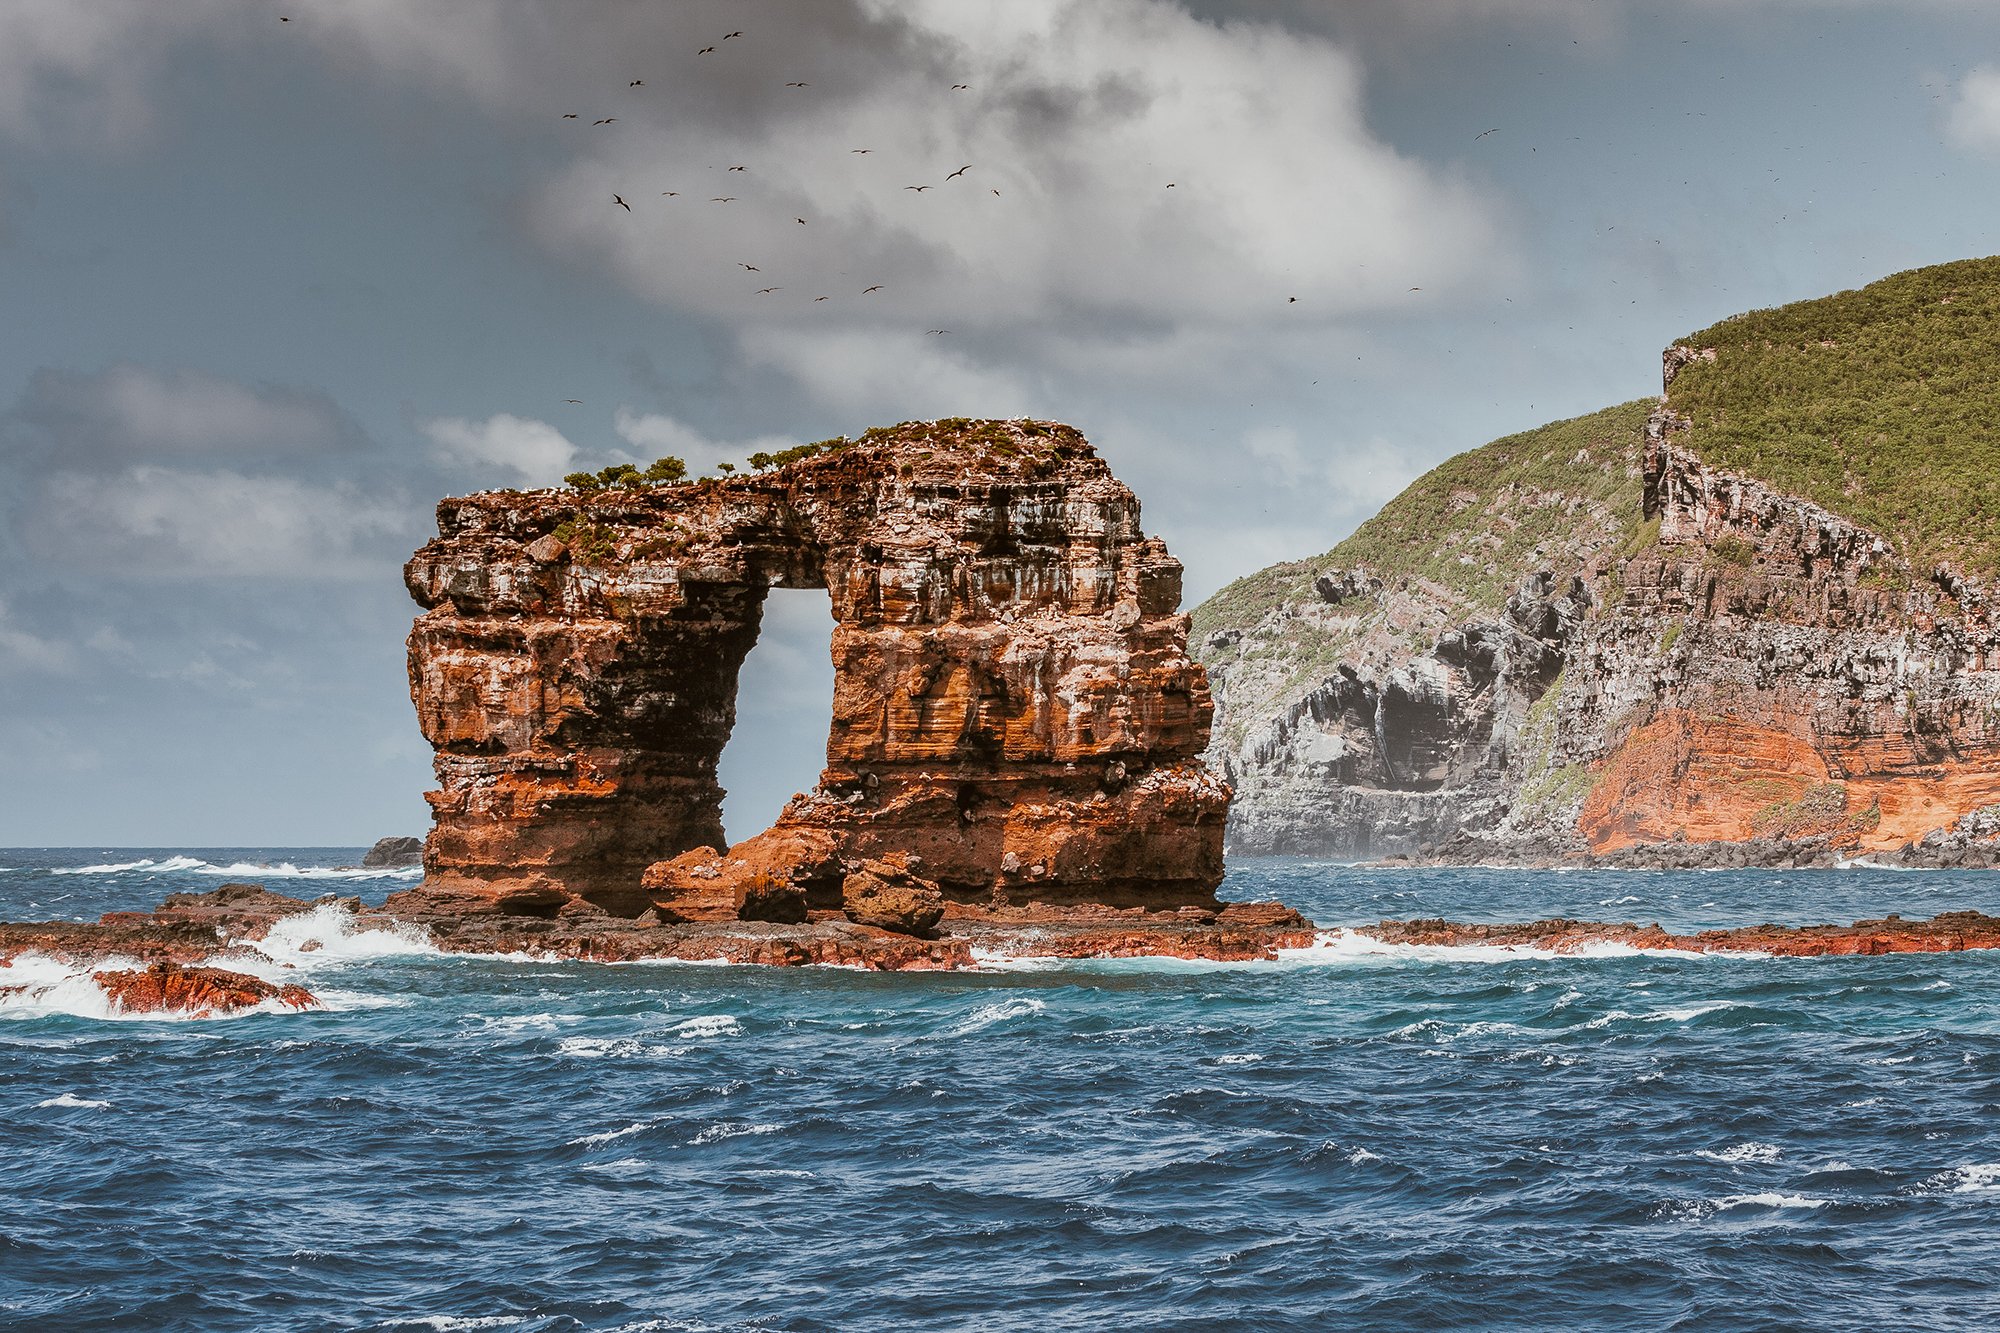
1354, 1138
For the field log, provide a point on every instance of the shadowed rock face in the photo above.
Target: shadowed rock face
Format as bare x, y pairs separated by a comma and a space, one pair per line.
1014, 706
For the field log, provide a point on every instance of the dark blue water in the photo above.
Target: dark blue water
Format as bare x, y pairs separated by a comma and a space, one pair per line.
1401, 1140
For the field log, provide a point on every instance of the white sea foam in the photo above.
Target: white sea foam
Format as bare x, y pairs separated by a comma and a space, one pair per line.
1346, 946
70, 1099
194, 865
716, 1133
610, 1135
1699, 1210
709, 1025
115, 868
515, 1024
1361, 1157
1692, 1011
1745, 1152
994, 961
329, 933
37, 986
1237, 1059
616, 1048
1767, 1200
623, 1166
986, 1015
1980, 1178
452, 1323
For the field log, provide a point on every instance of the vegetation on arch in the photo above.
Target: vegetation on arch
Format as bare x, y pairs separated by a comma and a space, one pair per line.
661, 472
1002, 437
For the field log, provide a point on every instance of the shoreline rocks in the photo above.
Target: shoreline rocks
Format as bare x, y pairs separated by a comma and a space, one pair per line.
1947, 932
906, 926
183, 966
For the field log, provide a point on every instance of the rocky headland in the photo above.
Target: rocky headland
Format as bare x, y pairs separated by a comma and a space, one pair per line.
1744, 624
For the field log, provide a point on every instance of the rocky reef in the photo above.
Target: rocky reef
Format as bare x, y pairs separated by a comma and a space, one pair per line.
1700, 668
1947, 932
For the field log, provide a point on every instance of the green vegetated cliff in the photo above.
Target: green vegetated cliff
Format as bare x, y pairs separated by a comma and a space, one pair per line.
1516, 613
1451, 548
1880, 404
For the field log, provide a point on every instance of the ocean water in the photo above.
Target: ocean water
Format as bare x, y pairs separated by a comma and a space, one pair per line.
1352, 1139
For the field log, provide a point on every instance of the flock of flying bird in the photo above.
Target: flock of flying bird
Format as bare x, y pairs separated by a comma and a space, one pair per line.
619, 200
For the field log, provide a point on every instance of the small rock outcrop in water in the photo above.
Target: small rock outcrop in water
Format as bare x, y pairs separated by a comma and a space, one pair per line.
1014, 705
195, 992
1947, 932
394, 853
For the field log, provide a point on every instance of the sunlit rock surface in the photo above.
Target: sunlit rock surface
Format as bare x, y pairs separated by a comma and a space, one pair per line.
1015, 714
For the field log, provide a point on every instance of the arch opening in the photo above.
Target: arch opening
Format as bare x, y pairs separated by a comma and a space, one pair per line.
784, 712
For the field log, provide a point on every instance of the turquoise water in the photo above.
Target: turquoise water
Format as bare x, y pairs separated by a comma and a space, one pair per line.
1349, 1139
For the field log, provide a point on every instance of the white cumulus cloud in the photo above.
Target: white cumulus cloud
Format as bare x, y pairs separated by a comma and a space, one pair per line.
1974, 118
158, 522
534, 451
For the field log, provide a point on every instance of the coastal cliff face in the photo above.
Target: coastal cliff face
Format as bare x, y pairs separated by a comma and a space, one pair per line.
1015, 715
1774, 669
1705, 658
1390, 696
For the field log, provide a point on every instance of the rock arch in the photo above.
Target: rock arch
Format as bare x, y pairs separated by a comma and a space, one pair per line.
1013, 699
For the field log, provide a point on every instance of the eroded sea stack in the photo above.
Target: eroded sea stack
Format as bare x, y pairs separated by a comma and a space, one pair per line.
1016, 718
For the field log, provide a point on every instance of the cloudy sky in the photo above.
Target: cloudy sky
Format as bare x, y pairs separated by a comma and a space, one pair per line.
273, 287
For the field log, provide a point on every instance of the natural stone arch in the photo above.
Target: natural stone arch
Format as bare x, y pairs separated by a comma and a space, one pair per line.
1013, 699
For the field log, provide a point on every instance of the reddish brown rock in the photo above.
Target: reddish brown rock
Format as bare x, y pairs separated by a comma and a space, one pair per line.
1947, 932
197, 992
1013, 699
888, 895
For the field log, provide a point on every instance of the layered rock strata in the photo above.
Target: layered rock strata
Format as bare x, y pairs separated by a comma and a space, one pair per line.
1015, 715
1745, 677
1773, 669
